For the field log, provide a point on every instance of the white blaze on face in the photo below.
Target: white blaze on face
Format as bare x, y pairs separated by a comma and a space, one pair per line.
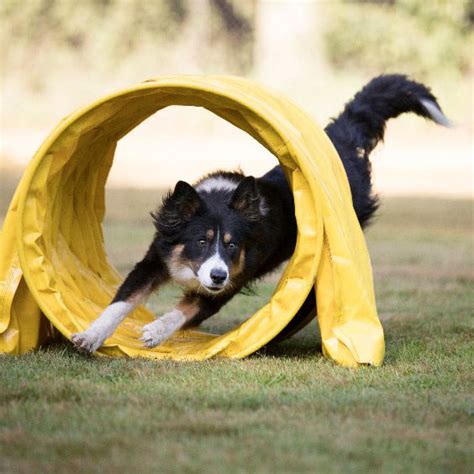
215, 262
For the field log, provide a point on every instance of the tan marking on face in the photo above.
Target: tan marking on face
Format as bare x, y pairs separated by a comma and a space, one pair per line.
178, 250
227, 237
210, 234
176, 263
239, 266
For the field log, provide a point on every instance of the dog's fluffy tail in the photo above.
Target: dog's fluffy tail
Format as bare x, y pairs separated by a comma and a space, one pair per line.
361, 125
355, 133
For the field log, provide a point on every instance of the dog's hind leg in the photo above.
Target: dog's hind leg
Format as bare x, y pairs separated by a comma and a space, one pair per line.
147, 275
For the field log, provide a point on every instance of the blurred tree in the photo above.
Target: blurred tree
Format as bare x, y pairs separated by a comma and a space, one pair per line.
49, 36
233, 31
39, 35
233, 20
421, 37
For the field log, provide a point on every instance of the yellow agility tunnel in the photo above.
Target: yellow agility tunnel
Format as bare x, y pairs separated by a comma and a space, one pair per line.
53, 265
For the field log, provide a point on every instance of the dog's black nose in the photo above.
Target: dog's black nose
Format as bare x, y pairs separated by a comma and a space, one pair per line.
218, 276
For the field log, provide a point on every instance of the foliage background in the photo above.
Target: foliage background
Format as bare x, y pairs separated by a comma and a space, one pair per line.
58, 55
428, 39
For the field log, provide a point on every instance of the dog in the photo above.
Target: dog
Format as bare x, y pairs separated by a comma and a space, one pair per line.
216, 237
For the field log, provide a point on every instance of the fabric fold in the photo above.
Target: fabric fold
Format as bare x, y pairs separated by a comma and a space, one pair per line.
53, 264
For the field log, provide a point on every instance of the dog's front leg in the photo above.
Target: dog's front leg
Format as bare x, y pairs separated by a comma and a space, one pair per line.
190, 311
147, 275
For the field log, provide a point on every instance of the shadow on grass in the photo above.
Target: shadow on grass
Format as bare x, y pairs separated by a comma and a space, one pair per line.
292, 349
304, 345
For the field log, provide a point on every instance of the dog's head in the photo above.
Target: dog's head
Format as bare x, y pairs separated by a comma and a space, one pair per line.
206, 234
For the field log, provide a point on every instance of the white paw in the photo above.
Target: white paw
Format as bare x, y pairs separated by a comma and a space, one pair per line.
155, 333
88, 341
163, 328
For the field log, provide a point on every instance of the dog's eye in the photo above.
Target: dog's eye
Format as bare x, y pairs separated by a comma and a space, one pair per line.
202, 242
232, 246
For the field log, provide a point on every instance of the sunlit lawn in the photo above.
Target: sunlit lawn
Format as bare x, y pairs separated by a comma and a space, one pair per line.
285, 409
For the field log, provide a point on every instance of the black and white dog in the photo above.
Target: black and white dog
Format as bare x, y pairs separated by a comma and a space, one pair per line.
225, 231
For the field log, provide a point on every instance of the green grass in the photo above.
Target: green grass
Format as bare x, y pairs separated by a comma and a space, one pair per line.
286, 408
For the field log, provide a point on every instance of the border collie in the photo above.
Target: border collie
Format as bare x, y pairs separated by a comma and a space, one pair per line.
217, 236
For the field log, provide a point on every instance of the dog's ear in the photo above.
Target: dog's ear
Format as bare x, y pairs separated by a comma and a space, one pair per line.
246, 199
186, 199
178, 207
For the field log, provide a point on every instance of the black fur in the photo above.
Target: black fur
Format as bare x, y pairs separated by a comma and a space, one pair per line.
256, 216
361, 125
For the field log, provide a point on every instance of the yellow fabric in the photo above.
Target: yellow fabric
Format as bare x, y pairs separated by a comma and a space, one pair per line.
52, 257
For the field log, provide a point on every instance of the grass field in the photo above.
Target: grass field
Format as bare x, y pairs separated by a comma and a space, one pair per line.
285, 409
